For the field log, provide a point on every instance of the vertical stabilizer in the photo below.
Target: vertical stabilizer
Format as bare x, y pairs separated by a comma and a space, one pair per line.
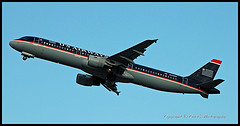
207, 72
204, 76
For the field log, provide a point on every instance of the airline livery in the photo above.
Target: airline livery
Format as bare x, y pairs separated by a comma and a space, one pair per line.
108, 70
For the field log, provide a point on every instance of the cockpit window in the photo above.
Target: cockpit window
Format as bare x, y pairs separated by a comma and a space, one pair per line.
27, 38
24, 38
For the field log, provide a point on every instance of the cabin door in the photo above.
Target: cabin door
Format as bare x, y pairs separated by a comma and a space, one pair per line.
38, 48
185, 80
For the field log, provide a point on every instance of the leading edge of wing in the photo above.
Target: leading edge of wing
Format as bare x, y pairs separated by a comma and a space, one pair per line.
132, 53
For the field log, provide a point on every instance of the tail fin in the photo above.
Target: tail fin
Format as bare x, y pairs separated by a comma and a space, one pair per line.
204, 77
207, 72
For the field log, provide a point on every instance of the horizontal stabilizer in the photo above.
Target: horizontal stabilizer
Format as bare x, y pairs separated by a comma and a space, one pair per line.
211, 84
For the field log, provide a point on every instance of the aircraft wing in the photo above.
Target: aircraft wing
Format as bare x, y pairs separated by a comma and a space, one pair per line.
128, 55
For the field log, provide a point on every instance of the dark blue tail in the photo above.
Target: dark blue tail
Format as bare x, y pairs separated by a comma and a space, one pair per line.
206, 73
204, 76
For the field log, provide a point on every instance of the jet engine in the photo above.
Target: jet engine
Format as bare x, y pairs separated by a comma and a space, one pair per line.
86, 80
96, 61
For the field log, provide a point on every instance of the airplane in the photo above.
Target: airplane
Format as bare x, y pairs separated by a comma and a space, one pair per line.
108, 70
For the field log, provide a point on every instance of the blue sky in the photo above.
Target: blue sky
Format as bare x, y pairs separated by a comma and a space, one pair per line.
190, 35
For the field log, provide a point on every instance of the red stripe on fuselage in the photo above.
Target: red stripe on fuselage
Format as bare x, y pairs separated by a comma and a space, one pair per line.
169, 80
127, 67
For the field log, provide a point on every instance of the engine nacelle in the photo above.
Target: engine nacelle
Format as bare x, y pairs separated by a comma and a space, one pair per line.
96, 61
86, 80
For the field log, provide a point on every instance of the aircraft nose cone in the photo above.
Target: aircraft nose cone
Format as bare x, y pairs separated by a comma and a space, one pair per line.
12, 44
16, 45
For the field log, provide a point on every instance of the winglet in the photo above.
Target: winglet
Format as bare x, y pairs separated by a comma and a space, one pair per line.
155, 40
